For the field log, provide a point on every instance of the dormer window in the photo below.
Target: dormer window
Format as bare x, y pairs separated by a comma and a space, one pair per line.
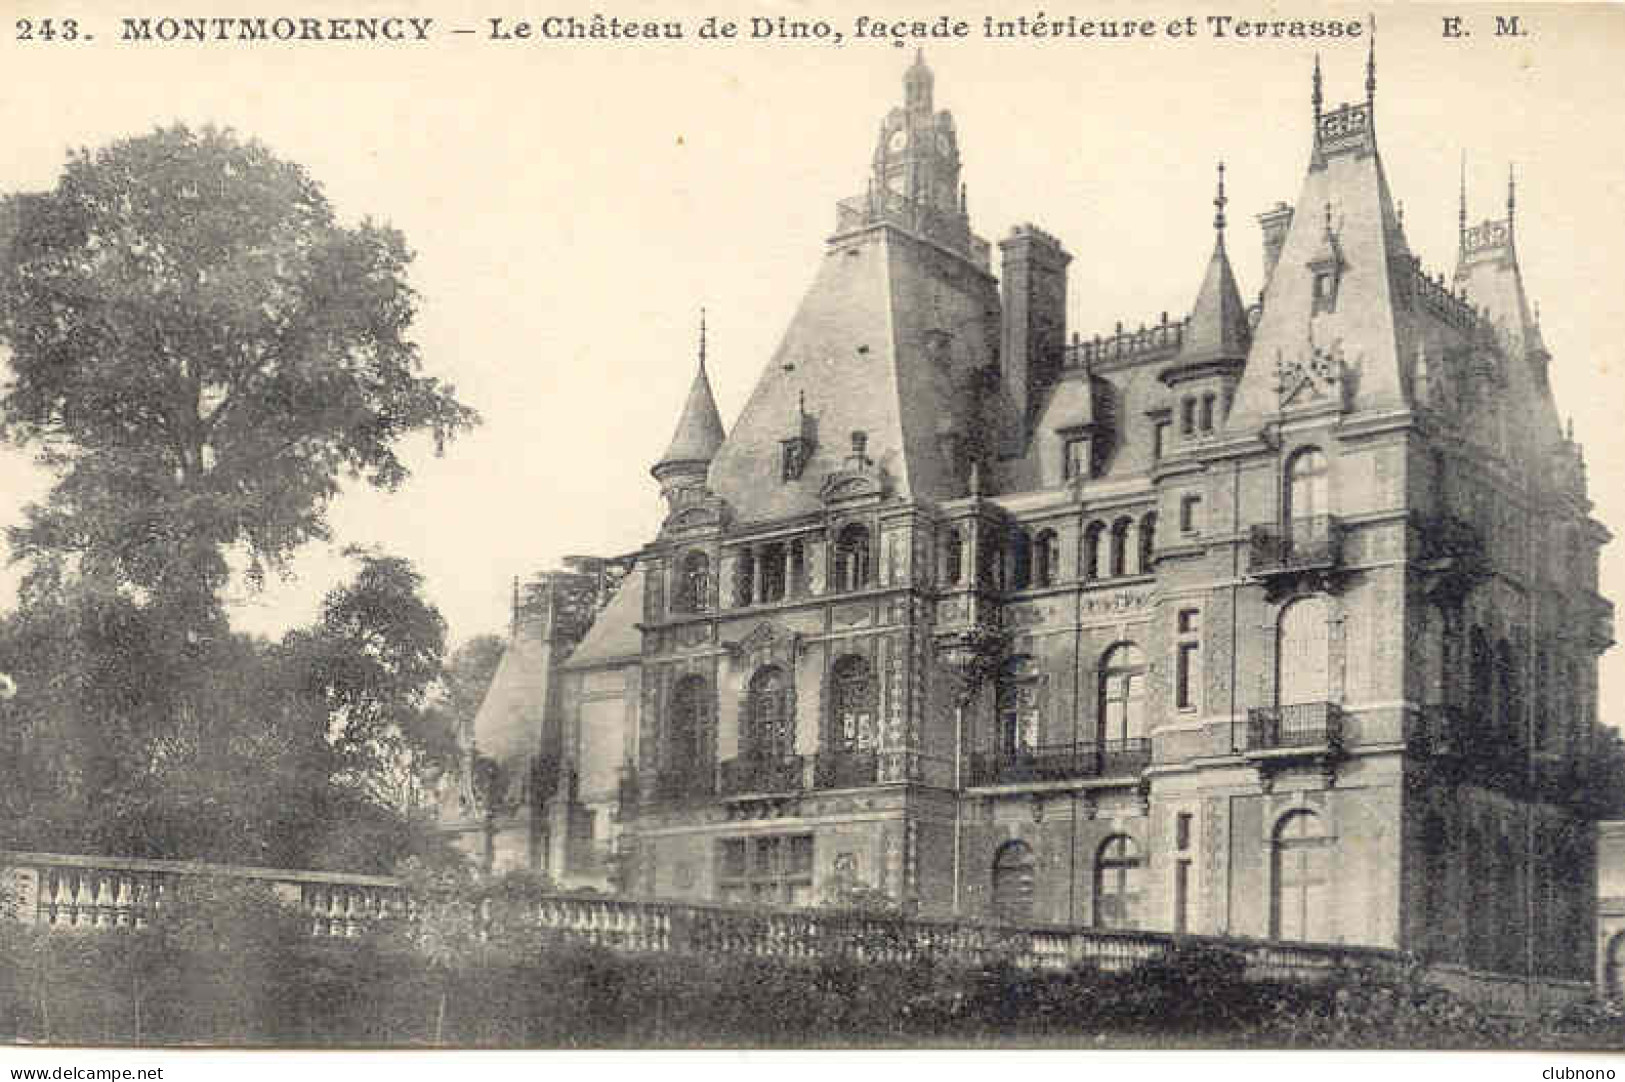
1078, 459
792, 459
1326, 268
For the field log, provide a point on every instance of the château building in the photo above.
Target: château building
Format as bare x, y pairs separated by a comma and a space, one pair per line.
1273, 620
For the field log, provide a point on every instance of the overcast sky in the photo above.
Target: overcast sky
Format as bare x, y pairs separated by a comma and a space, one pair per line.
573, 206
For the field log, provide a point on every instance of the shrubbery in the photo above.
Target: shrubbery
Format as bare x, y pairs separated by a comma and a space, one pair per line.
228, 965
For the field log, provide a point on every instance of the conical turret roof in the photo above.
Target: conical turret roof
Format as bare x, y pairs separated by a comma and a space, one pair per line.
699, 429
1218, 326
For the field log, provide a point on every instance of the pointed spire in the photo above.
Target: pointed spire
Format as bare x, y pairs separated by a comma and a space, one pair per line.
917, 84
699, 428
1512, 195
1461, 203
1217, 329
1371, 63
1315, 97
702, 340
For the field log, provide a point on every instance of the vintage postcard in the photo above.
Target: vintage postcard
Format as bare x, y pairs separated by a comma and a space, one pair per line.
793, 525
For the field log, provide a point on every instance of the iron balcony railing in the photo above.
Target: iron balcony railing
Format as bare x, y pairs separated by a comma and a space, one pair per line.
1309, 726
1060, 762
845, 769
1311, 543
763, 774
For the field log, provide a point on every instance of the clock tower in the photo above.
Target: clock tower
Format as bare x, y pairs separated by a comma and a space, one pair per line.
917, 156
914, 183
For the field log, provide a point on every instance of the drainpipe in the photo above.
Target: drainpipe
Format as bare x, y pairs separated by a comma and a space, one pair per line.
959, 795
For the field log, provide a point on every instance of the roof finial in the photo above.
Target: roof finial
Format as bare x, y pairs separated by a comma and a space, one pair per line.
1315, 96
1461, 205
1219, 202
702, 340
1371, 63
1512, 194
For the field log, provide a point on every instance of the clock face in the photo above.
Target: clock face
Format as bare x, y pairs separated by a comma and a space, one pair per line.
899, 139
896, 183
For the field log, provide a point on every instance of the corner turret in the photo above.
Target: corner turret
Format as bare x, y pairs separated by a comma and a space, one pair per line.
699, 434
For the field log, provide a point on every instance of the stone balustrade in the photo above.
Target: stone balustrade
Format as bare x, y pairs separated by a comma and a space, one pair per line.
58, 890
81, 892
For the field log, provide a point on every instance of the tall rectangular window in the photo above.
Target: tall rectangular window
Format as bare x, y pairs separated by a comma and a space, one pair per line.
1159, 439
1188, 659
1182, 896
1078, 459
1190, 513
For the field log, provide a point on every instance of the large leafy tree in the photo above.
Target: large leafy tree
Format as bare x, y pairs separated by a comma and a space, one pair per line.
202, 354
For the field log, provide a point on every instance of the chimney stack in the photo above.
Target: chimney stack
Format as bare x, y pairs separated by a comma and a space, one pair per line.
1274, 222
1034, 332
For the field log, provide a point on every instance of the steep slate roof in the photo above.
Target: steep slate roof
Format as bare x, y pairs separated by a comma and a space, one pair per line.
1487, 268
1344, 211
614, 635
509, 720
699, 429
1218, 325
857, 356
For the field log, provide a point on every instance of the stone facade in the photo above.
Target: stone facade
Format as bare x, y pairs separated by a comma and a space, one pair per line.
1276, 620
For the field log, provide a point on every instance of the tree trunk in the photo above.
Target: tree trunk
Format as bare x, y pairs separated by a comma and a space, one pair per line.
440, 1017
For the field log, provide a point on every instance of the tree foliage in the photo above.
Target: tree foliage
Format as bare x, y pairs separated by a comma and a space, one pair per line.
308, 752
201, 353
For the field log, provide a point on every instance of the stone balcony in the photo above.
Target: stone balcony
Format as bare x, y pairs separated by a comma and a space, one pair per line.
1060, 762
1313, 543
1285, 730
751, 774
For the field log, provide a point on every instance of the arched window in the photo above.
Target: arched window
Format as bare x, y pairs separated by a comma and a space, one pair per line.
992, 572
1148, 541
1093, 551
1300, 903
1306, 485
693, 583
1117, 883
1120, 546
771, 572
852, 558
745, 577
1018, 706
1046, 558
769, 732
1303, 653
1122, 696
689, 720
1014, 871
855, 701
1481, 673
1021, 560
953, 557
